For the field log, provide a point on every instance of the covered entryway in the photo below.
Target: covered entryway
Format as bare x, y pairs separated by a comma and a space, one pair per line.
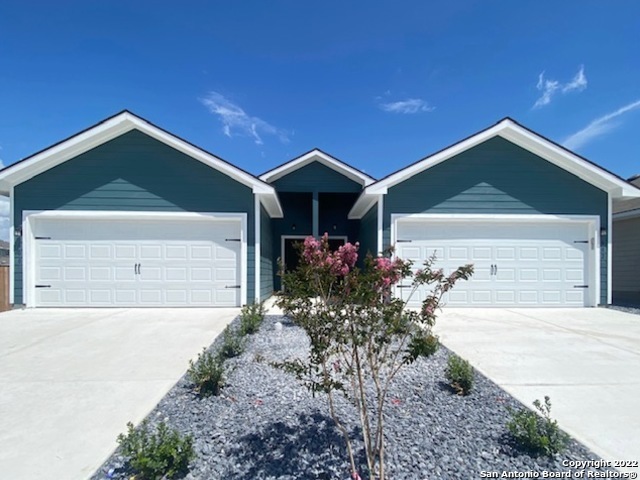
540, 261
109, 259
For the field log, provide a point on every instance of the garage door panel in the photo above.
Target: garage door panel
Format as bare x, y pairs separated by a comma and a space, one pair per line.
505, 274
100, 274
100, 296
125, 252
576, 296
506, 297
93, 263
125, 296
176, 252
50, 274
101, 252
528, 297
574, 275
551, 297
514, 264
480, 274
150, 252
505, 253
75, 274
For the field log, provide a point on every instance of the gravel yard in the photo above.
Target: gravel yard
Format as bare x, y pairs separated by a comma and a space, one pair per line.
264, 425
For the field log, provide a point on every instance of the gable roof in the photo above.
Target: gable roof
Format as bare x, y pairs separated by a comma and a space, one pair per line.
115, 126
317, 155
517, 134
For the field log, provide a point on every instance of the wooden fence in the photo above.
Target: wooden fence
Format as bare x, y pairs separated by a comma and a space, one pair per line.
4, 288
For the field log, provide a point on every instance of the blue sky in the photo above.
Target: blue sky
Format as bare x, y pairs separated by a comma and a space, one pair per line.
377, 84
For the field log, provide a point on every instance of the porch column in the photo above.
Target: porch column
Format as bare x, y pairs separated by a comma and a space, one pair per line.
315, 215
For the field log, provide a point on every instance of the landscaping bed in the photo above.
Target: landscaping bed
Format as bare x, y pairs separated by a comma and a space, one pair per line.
265, 425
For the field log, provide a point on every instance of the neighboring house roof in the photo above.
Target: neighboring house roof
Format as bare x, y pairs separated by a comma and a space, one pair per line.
512, 131
629, 207
317, 155
115, 126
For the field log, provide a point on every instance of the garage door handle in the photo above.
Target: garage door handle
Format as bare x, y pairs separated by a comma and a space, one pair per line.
232, 286
136, 269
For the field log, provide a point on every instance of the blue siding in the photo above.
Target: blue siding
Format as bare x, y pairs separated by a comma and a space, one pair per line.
266, 255
137, 173
498, 176
368, 236
315, 177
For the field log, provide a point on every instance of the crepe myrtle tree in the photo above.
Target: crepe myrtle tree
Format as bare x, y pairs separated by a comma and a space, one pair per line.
361, 335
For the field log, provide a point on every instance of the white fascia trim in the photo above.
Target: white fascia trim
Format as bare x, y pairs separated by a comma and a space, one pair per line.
363, 204
62, 152
380, 225
28, 252
257, 214
398, 177
272, 205
569, 162
610, 251
115, 127
525, 139
323, 158
496, 217
12, 243
593, 221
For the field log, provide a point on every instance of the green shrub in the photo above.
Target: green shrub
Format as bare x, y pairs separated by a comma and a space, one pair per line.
207, 372
537, 433
459, 373
422, 345
251, 317
160, 454
232, 344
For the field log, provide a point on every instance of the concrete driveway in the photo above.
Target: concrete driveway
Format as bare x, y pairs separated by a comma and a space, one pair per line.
70, 380
587, 360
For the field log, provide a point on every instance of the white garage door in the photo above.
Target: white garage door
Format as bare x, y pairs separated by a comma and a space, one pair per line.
82, 262
541, 264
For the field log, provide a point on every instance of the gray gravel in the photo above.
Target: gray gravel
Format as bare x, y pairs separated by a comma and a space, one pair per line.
625, 308
266, 426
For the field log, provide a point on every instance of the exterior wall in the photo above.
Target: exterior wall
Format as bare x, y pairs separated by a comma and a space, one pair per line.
336, 195
266, 255
498, 177
137, 173
368, 236
334, 215
626, 260
315, 177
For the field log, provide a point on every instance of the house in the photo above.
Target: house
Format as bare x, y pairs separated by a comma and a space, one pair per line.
626, 252
128, 214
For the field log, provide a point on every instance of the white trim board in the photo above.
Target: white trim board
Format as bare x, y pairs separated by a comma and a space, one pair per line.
319, 156
593, 222
115, 127
30, 216
519, 135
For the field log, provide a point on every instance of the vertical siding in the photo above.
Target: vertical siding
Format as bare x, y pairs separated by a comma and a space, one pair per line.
134, 172
498, 177
626, 261
266, 255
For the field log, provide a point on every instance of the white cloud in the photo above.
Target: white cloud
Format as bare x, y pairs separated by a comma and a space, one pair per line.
235, 121
410, 105
550, 87
598, 127
579, 82
4, 213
